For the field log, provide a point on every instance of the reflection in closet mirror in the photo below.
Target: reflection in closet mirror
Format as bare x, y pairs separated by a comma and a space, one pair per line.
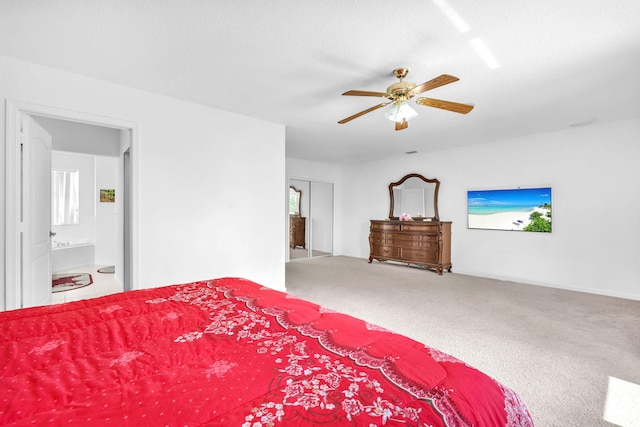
316, 213
65, 201
295, 196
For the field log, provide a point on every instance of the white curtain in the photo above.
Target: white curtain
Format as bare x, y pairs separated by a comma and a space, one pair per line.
66, 197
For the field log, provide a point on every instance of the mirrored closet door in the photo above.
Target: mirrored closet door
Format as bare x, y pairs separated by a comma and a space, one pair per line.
310, 218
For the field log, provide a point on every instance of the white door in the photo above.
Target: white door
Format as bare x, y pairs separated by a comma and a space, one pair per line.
36, 214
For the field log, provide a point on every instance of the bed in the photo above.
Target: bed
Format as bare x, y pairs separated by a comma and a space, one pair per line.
229, 352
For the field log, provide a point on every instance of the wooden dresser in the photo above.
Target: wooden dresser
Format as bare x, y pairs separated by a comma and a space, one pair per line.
297, 231
412, 242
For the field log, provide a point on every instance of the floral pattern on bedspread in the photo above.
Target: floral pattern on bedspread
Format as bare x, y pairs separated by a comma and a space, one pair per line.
316, 385
48, 346
331, 386
126, 358
229, 352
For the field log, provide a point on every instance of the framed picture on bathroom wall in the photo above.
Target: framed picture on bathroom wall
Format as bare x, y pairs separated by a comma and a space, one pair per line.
516, 209
107, 196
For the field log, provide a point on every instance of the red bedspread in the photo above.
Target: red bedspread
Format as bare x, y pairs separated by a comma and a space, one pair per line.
228, 352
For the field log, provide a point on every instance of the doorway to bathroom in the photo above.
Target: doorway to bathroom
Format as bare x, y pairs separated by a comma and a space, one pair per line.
84, 212
94, 147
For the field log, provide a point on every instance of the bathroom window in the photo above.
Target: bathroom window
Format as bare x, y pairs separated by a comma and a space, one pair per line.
65, 198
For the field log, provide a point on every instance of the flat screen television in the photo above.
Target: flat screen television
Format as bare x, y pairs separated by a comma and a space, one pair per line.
517, 209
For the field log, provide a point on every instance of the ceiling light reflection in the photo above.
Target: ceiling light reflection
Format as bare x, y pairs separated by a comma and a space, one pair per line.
453, 16
483, 51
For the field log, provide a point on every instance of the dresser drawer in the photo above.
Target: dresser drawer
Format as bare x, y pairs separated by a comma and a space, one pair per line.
377, 238
423, 227
430, 238
385, 251
419, 255
411, 240
430, 245
384, 226
404, 239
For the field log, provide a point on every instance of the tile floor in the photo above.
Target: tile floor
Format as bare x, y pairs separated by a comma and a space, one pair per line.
103, 284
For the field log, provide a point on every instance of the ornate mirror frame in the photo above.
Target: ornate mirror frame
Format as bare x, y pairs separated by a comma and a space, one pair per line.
295, 197
435, 181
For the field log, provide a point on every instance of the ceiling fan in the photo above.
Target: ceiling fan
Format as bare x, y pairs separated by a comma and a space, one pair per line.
399, 94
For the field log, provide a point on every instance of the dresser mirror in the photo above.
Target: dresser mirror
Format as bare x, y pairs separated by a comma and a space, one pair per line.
295, 196
415, 196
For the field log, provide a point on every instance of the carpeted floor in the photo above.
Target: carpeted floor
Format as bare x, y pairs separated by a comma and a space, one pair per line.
298, 253
573, 357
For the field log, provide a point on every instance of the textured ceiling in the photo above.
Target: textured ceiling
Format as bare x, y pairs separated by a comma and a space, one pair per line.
289, 61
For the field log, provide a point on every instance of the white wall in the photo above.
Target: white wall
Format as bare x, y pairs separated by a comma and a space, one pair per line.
594, 175
107, 251
191, 163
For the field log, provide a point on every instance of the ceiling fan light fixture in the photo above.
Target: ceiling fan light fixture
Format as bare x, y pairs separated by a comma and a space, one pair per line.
399, 93
400, 111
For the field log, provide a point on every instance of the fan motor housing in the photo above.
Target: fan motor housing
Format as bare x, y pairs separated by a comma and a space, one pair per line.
400, 88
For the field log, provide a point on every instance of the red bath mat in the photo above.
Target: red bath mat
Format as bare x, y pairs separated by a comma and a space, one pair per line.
68, 281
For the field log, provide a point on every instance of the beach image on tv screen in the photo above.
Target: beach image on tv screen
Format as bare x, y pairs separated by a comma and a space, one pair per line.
520, 209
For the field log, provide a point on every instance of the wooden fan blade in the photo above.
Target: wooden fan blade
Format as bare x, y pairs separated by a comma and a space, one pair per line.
364, 93
442, 80
362, 113
445, 105
402, 125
